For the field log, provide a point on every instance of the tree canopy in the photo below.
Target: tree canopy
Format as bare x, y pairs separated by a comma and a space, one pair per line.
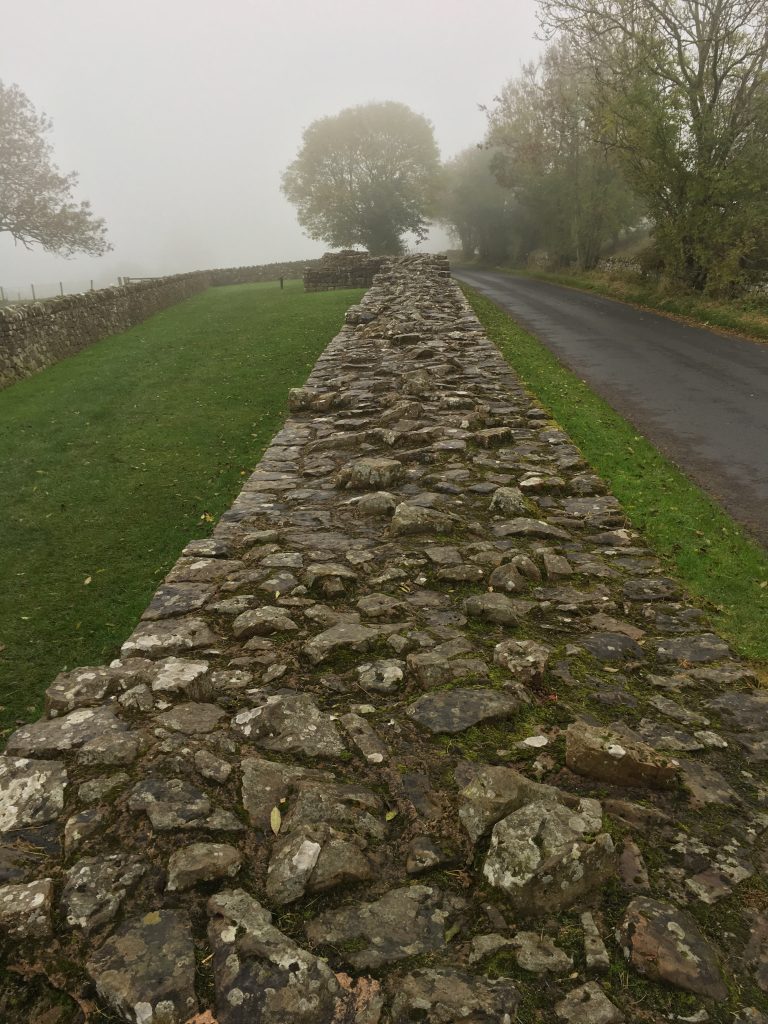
366, 176
36, 202
680, 94
548, 151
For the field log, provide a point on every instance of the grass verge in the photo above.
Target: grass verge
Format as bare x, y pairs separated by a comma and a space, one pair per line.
113, 459
697, 541
748, 317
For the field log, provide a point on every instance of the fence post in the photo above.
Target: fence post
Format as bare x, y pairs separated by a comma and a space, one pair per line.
61, 289
91, 284
34, 297
2, 293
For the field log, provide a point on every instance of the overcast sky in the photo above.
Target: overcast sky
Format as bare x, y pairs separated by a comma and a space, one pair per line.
179, 115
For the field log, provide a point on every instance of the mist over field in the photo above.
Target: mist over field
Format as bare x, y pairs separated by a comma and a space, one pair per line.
180, 117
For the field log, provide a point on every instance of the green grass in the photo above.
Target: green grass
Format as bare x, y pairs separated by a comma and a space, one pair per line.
113, 459
696, 540
747, 316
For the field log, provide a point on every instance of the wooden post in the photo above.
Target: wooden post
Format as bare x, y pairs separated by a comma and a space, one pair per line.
281, 284
34, 297
91, 284
2, 293
61, 289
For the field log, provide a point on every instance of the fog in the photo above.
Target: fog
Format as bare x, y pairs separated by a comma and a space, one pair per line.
180, 115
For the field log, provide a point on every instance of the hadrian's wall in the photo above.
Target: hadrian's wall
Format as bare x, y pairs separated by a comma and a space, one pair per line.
38, 334
422, 732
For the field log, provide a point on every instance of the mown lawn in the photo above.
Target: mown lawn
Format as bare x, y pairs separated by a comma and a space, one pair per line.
699, 543
113, 459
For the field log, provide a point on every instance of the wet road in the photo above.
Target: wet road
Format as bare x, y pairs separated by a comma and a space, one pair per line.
699, 396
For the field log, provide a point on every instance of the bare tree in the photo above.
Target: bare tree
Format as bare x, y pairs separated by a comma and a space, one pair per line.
36, 202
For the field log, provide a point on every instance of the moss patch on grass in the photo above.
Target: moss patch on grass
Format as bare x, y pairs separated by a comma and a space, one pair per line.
698, 542
112, 460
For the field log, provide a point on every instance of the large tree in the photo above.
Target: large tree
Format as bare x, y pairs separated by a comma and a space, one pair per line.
550, 154
681, 89
365, 177
36, 202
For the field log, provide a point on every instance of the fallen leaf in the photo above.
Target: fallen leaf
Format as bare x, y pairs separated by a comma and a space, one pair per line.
390, 815
87, 580
275, 820
202, 1018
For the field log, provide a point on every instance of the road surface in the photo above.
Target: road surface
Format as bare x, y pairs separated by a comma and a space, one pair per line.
699, 396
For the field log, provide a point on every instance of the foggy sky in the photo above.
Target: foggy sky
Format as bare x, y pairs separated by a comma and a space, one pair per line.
180, 115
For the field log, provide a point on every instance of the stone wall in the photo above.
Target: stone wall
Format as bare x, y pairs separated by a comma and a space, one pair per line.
628, 265
346, 269
266, 272
37, 334
421, 732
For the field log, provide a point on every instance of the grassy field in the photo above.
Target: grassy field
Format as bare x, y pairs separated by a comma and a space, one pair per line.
747, 316
113, 459
699, 543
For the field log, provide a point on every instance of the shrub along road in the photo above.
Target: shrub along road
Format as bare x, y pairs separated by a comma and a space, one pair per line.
699, 396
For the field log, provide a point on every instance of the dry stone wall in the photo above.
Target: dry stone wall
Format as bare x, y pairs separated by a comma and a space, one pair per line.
349, 268
38, 334
421, 733
265, 272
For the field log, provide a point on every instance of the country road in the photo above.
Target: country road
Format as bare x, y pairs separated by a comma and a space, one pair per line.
699, 396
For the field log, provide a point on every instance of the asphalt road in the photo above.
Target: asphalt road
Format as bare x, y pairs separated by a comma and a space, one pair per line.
699, 396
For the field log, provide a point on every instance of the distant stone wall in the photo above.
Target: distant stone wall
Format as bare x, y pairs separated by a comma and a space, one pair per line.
620, 264
266, 272
38, 334
346, 269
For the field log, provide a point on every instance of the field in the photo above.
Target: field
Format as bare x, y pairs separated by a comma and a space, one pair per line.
113, 459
